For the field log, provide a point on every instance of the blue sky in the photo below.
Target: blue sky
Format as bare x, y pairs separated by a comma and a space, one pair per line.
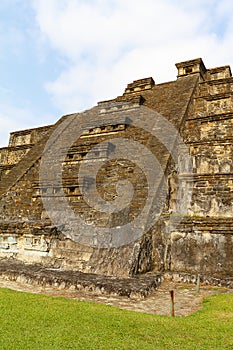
63, 56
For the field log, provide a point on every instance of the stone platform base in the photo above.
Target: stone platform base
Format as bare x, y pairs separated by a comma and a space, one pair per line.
141, 286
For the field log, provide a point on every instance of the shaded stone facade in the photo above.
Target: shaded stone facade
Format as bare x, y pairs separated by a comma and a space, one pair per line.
199, 104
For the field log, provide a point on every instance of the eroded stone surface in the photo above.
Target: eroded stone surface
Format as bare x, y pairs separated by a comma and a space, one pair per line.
16, 271
199, 105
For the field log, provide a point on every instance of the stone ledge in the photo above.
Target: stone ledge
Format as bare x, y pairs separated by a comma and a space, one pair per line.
217, 223
17, 148
205, 280
141, 286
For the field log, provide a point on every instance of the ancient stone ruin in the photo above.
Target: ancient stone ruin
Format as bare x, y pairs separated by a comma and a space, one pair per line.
192, 231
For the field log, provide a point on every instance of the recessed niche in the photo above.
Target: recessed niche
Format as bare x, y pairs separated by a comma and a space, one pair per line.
188, 70
70, 156
71, 189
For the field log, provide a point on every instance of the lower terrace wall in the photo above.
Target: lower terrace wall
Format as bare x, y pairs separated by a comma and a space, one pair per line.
195, 247
203, 245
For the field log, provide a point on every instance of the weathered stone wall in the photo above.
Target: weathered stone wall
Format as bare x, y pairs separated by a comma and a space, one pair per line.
203, 243
12, 155
203, 246
19, 145
28, 137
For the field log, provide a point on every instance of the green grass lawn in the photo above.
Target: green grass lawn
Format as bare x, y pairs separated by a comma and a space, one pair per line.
30, 321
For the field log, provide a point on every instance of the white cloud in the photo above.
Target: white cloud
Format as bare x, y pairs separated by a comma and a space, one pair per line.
11, 119
102, 46
108, 43
14, 117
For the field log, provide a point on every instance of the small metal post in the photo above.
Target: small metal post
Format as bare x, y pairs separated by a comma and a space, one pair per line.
198, 284
172, 303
